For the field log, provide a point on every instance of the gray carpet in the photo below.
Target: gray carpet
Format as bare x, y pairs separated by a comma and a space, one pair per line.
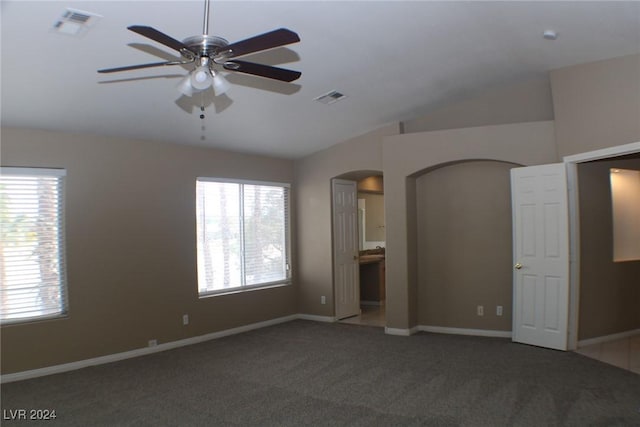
308, 373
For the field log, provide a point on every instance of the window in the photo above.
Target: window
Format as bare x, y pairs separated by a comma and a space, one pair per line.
32, 266
243, 235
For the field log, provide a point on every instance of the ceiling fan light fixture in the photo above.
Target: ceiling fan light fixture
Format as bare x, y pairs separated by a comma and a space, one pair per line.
220, 84
185, 87
201, 78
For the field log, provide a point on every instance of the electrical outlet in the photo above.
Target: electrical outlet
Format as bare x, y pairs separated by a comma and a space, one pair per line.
323, 299
153, 343
480, 310
498, 310
185, 319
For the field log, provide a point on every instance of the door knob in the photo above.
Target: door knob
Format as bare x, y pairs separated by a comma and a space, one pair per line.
518, 266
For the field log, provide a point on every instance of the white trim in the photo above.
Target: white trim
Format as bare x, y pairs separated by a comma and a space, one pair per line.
574, 254
32, 171
604, 153
607, 338
241, 289
101, 360
464, 331
315, 318
401, 332
49, 370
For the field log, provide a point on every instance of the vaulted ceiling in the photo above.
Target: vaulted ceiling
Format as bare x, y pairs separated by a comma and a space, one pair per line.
393, 59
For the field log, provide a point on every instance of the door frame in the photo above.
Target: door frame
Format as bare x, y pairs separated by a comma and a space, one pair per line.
571, 163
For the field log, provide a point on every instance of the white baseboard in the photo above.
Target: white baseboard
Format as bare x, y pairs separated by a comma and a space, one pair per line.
401, 332
607, 338
463, 331
316, 318
49, 370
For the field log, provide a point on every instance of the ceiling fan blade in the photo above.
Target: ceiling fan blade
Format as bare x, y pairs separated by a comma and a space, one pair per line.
160, 37
137, 67
264, 41
263, 70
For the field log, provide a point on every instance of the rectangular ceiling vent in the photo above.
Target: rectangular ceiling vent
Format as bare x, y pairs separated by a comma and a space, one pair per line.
75, 22
331, 97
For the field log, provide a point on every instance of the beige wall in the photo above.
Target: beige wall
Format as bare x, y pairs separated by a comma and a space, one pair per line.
148, 276
313, 181
464, 252
597, 105
410, 155
131, 252
609, 291
526, 101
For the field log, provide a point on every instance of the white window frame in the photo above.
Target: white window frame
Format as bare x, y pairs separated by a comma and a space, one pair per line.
243, 288
60, 175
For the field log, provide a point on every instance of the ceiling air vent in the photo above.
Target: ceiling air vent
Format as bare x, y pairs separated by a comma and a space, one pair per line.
331, 97
75, 22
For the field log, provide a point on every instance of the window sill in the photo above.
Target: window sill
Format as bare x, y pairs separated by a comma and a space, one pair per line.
232, 291
32, 320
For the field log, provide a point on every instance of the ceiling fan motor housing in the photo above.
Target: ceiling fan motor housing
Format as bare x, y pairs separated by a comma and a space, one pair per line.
205, 45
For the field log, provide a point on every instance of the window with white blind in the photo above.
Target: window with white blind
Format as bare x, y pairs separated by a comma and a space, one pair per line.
32, 265
242, 235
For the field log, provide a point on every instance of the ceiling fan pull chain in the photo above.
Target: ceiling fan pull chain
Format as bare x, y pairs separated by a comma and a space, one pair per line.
202, 105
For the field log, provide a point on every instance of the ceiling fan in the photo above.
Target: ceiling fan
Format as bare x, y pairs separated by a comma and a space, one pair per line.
210, 53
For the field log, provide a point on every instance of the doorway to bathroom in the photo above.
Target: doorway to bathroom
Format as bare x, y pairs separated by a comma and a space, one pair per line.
370, 258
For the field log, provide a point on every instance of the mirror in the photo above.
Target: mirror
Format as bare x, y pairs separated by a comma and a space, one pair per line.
371, 225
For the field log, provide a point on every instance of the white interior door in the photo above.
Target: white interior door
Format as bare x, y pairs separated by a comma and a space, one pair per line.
345, 248
541, 255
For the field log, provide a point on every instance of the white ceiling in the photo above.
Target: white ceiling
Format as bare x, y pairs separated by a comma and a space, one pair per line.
393, 59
